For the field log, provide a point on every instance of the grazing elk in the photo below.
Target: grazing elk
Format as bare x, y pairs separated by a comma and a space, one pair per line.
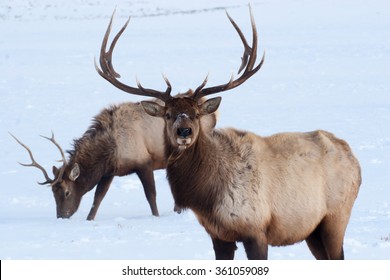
261, 191
112, 146
122, 139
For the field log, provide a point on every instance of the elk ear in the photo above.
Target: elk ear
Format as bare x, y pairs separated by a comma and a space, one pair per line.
210, 106
55, 171
75, 172
153, 109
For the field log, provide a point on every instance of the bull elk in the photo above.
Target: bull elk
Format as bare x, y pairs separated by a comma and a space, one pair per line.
122, 140
276, 190
110, 147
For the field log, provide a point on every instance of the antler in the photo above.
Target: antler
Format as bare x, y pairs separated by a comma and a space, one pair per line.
37, 165
248, 62
107, 70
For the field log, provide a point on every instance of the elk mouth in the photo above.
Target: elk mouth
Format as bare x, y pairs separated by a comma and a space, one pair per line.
183, 142
64, 215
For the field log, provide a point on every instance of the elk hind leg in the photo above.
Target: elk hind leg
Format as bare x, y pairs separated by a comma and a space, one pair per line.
256, 248
100, 192
146, 176
326, 241
316, 246
224, 250
332, 232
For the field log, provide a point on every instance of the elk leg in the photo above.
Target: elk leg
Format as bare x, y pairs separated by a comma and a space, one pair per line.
147, 179
100, 192
316, 246
177, 209
332, 234
224, 250
256, 248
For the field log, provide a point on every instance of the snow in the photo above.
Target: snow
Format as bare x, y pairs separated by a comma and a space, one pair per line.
327, 66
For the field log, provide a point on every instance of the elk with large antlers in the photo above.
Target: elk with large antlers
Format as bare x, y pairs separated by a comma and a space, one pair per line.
261, 191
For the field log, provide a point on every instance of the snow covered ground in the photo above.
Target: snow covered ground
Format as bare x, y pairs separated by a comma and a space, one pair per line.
327, 66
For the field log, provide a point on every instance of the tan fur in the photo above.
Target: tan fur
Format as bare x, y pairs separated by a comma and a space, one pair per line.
139, 138
295, 181
275, 190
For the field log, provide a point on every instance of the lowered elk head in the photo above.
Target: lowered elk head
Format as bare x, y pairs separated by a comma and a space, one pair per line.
181, 113
63, 184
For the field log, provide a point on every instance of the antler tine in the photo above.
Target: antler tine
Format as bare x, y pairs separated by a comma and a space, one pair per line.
106, 56
34, 163
107, 71
247, 48
199, 88
248, 61
253, 50
51, 139
63, 160
165, 96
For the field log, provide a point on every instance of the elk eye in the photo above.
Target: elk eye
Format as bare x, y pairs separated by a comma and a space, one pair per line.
67, 193
168, 116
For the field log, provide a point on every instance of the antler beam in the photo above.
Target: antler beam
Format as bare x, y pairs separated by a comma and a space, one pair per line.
107, 71
248, 61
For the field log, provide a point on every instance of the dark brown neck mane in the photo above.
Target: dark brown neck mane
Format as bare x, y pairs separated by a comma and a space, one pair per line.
188, 173
94, 152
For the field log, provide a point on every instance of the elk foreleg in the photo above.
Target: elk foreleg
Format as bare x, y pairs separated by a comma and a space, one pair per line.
224, 250
100, 192
146, 176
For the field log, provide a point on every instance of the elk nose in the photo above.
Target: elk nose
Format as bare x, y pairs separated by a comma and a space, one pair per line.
184, 132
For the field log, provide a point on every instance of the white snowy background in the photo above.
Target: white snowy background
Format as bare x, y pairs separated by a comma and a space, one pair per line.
327, 67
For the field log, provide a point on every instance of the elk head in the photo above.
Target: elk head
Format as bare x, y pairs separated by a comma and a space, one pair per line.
182, 117
64, 183
181, 113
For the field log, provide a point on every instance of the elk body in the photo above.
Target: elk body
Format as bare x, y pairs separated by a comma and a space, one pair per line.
261, 191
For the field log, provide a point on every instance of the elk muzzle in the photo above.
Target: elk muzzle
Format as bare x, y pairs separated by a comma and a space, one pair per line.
183, 137
184, 132
64, 215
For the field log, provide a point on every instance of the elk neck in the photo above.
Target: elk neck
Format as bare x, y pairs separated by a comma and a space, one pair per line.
94, 152
191, 174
